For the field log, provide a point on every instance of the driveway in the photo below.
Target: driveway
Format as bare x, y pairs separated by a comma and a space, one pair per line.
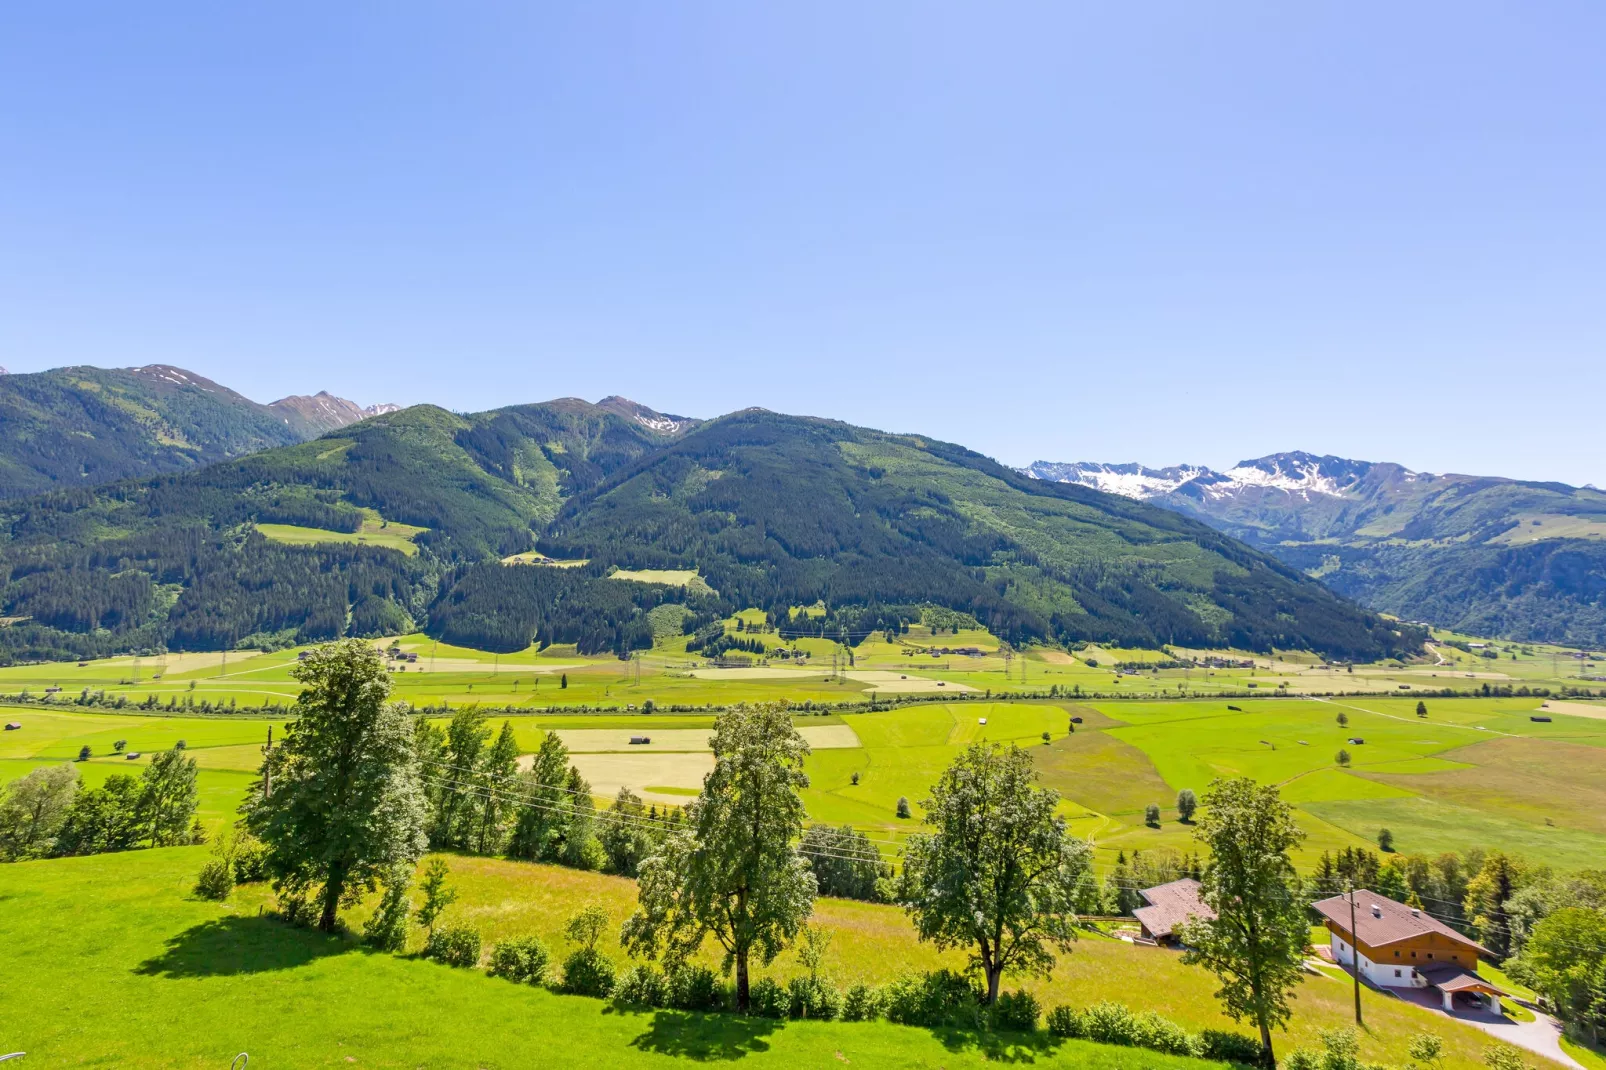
1540, 1036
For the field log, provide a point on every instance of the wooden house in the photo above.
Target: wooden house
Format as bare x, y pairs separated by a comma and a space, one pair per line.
1404, 947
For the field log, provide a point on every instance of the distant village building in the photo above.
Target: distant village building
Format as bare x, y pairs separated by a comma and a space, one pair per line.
1169, 906
1404, 947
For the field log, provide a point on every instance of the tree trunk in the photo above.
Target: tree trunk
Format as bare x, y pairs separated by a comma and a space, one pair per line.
1268, 1058
741, 981
332, 888
995, 977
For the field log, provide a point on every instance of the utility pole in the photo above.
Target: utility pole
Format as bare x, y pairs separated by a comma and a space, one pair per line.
1354, 953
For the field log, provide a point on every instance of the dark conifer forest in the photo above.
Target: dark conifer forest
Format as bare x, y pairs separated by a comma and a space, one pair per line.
771, 511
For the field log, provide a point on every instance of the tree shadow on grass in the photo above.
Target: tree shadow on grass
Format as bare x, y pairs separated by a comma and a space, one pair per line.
705, 1037
235, 945
999, 1047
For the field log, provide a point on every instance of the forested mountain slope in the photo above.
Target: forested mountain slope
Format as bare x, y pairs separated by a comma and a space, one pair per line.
777, 511
177, 560
774, 511
1491, 556
81, 427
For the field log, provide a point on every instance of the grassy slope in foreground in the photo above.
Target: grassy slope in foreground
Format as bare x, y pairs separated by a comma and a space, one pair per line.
101, 956
107, 960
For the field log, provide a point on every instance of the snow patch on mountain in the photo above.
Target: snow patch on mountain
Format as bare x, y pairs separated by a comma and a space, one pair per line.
1296, 473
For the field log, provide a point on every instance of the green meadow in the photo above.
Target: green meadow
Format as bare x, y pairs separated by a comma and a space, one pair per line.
1475, 772
195, 982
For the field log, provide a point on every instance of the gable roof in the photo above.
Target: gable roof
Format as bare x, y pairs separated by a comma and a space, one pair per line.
1170, 905
1379, 920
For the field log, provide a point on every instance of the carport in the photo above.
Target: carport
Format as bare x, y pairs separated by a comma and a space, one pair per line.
1452, 980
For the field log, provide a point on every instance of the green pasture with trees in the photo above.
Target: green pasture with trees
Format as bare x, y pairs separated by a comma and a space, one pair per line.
978, 835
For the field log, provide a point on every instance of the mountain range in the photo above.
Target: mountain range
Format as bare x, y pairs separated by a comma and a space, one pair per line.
1481, 554
76, 427
773, 511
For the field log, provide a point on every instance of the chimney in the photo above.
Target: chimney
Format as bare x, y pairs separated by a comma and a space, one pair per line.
1415, 913
1377, 911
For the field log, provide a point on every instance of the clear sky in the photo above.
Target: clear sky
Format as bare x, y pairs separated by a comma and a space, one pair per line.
1154, 231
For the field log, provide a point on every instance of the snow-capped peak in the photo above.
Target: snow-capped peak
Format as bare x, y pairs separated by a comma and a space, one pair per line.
1128, 480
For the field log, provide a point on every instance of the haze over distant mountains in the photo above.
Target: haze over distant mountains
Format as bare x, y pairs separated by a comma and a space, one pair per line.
81, 427
1481, 553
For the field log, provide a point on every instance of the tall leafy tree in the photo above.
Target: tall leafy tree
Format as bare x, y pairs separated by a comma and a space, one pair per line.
495, 785
733, 871
169, 798
33, 809
346, 811
101, 819
1256, 942
1488, 899
999, 871
545, 806
625, 833
455, 812
1562, 959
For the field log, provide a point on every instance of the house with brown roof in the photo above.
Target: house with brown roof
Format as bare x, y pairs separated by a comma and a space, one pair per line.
1400, 946
1169, 906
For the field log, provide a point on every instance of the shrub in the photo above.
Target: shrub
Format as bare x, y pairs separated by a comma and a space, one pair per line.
694, 988
84, 753
1164, 1035
861, 1004
215, 881
942, 998
1065, 1022
768, 999
1151, 815
250, 859
1228, 1047
521, 959
454, 945
1503, 1057
588, 972
641, 986
386, 928
814, 998
1017, 1012
1115, 1023
1303, 1059
903, 803
586, 926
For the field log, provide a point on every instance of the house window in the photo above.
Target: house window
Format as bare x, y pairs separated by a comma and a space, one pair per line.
1430, 954
1413, 954
1396, 973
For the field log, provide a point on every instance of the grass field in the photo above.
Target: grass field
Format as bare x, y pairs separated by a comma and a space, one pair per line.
121, 931
1475, 772
192, 983
375, 531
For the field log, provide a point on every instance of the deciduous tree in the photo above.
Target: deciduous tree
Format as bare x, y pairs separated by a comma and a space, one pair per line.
733, 871
346, 809
33, 809
1256, 942
999, 871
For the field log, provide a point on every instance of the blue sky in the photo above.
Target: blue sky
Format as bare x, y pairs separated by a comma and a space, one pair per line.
1156, 232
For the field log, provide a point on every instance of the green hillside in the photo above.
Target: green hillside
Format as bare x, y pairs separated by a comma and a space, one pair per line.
80, 427
777, 511
177, 561
772, 511
1513, 558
